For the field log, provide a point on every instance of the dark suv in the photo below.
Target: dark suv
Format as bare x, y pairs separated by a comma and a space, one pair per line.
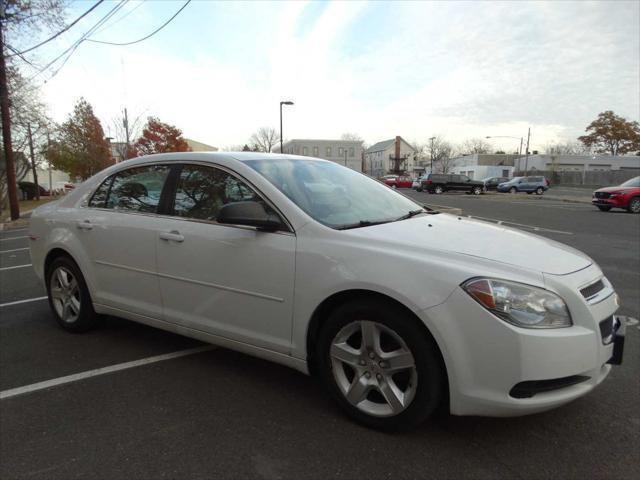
438, 183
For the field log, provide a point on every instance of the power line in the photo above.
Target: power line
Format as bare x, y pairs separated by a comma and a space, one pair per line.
148, 36
122, 17
60, 32
22, 57
72, 48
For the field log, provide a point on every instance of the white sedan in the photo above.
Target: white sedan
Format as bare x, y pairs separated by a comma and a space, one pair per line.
309, 264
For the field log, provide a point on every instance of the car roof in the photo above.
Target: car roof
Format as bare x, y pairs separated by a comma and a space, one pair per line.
215, 156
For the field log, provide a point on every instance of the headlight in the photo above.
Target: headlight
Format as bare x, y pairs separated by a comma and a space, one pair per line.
521, 305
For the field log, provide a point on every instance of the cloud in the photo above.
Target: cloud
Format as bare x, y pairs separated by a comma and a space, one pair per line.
461, 69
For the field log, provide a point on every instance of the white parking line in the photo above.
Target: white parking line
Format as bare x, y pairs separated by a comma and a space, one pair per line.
12, 238
11, 230
18, 302
14, 250
100, 371
17, 266
519, 225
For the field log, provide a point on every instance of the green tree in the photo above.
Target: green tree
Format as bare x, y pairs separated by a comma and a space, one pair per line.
80, 147
159, 137
612, 134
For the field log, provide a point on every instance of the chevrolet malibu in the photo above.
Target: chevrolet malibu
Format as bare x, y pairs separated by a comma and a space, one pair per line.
397, 309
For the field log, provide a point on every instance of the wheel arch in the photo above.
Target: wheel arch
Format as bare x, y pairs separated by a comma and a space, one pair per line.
55, 253
324, 309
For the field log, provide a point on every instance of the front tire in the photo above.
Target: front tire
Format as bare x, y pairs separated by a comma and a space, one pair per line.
380, 366
513, 190
634, 205
69, 297
603, 209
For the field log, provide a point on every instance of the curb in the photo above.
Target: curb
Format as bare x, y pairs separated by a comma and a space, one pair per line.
8, 224
566, 200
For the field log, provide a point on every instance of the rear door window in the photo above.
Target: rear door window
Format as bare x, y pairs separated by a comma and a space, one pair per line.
138, 189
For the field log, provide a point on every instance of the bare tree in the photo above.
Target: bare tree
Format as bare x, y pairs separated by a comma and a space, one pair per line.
27, 112
442, 153
567, 148
475, 145
264, 139
124, 127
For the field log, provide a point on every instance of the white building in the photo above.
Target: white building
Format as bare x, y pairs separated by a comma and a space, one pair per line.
196, 146
576, 163
480, 166
379, 158
47, 178
344, 152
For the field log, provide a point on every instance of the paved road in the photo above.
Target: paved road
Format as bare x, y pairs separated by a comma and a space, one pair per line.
222, 414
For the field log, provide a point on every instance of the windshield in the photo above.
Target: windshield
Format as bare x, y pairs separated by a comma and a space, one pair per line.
334, 195
634, 182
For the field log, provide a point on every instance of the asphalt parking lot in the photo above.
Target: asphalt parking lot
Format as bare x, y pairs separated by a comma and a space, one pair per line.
215, 413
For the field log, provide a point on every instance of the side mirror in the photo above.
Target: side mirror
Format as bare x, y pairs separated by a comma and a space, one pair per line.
250, 213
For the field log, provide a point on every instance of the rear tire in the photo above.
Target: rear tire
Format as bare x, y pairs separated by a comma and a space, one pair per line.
539, 191
476, 190
419, 189
438, 190
69, 297
634, 205
603, 209
380, 366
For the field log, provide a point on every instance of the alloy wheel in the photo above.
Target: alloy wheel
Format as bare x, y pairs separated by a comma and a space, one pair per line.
373, 368
634, 206
65, 294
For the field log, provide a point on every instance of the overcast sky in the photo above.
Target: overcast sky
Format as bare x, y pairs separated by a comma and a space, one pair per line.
417, 69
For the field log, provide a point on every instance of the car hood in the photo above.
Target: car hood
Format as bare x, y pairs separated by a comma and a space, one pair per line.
475, 238
617, 189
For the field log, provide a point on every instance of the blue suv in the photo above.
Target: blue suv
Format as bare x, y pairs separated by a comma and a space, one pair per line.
525, 184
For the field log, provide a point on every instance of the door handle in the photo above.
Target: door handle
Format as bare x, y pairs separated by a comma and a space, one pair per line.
173, 236
85, 225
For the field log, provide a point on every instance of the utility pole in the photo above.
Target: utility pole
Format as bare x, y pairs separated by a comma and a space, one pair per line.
526, 158
14, 207
431, 151
33, 162
49, 162
125, 123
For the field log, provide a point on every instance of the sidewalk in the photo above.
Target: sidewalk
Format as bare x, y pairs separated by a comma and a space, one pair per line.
8, 224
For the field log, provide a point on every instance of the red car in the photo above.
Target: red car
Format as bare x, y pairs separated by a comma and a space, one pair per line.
625, 196
399, 182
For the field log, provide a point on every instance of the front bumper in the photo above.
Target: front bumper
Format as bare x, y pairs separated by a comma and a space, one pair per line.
615, 202
486, 358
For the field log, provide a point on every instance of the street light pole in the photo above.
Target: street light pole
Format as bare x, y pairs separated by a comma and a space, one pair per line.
288, 102
521, 141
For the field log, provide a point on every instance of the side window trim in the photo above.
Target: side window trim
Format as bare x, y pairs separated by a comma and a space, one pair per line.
104, 202
168, 195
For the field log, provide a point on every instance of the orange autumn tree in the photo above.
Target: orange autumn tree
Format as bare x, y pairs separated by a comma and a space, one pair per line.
159, 137
79, 147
